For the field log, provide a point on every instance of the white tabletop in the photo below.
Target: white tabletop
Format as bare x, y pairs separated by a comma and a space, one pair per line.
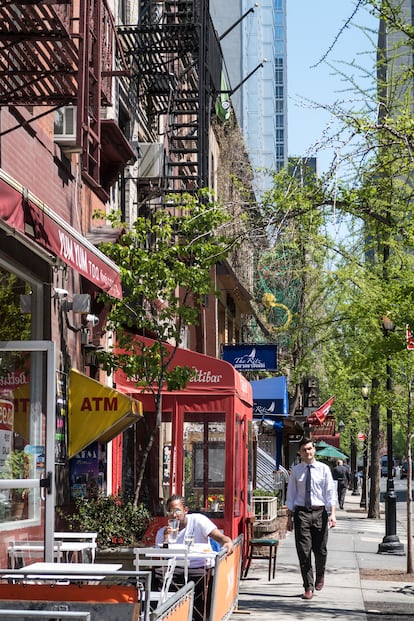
199, 555
63, 546
82, 571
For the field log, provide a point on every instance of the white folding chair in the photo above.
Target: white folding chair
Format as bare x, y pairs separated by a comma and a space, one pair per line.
162, 595
23, 553
161, 566
158, 557
89, 538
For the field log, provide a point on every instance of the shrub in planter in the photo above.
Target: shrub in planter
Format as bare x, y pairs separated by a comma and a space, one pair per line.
117, 522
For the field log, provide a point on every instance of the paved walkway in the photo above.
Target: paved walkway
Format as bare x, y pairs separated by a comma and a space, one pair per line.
353, 545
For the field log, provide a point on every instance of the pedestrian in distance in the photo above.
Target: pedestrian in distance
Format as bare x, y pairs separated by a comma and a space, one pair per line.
311, 500
342, 476
348, 469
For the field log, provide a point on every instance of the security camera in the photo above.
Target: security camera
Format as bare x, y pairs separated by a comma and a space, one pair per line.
60, 293
93, 320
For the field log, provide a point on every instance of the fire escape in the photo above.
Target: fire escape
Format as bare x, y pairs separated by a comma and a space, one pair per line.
59, 53
176, 63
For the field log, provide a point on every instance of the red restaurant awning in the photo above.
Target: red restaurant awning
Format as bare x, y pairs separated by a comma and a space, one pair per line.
213, 377
57, 236
11, 206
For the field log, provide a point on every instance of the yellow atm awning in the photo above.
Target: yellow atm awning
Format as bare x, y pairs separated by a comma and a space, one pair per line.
97, 412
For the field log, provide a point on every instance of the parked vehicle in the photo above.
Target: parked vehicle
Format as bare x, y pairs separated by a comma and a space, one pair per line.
404, 470
384, 466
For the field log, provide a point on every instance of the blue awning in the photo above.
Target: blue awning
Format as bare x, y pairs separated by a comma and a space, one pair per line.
270, 397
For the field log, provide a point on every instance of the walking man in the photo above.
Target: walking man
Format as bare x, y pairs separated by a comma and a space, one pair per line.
310, 500
341, 476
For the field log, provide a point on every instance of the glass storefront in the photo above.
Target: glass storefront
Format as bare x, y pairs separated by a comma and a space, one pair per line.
204, 462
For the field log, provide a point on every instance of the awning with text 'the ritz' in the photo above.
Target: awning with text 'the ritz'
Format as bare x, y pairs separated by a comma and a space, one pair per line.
97, 412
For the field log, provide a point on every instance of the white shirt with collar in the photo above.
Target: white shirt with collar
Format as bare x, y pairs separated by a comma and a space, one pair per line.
323, 491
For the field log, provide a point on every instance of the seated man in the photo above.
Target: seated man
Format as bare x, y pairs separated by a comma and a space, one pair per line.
200, 527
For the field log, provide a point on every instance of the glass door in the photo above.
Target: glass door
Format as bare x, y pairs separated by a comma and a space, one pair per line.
27, 446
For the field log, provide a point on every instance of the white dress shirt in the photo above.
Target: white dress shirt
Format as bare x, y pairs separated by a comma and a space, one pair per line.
323, 491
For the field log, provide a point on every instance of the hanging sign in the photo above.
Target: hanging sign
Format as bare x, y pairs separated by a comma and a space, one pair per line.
251, 357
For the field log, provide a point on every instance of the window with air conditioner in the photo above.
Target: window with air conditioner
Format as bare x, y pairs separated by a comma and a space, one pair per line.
65, 126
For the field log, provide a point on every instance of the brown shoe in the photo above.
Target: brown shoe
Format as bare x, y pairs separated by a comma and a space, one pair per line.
308, 594
319, 583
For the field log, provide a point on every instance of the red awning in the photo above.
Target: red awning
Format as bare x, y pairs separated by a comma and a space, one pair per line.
57, 236
11, 206
213, 377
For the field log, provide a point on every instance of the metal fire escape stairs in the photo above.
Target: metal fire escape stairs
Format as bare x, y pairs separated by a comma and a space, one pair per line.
176, 61
62, 53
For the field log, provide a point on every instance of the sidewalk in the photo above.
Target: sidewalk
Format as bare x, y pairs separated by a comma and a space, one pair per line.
352, 546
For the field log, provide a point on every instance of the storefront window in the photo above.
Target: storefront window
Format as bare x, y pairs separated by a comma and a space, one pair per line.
204, 462
15, 463
15, 315
165, 459
238, 470
22, 444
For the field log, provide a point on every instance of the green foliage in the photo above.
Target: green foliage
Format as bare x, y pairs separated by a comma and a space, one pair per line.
14, 325
165, 257
264, 492
17, 466
116, 522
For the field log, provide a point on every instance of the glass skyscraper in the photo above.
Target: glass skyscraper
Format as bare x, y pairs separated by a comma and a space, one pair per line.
256, 47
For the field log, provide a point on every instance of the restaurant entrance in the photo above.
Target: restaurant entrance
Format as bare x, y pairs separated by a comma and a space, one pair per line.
27, 443
202, 448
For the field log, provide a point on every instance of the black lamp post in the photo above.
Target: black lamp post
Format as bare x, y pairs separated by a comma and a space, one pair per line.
364, 494
354, 472
390, 543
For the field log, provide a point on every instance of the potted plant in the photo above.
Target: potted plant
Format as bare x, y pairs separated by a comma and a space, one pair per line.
119, 525
214, 501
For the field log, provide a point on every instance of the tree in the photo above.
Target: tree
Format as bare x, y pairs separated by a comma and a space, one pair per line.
166, 259
369, 274
14, 325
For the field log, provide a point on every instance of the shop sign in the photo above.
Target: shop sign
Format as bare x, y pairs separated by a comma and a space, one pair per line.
251, 357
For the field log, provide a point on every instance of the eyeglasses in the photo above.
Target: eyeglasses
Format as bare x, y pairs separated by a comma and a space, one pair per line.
174, 512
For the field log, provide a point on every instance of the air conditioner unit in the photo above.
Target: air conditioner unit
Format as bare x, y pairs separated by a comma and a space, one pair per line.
151, 160
65, 126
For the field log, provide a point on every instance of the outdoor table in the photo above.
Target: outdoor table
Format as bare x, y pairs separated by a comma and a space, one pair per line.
200, 555
63, 550
103, 588
201, 575
63, 571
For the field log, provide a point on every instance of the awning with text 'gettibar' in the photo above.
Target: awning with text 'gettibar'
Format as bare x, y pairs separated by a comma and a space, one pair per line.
97, 412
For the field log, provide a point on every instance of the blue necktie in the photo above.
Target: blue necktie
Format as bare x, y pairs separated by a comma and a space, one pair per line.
308, 503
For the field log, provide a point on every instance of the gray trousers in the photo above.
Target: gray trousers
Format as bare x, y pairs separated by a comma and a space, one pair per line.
311, 535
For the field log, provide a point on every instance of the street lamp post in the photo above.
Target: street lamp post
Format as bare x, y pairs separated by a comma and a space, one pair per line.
364, 494
354, 469
390, 543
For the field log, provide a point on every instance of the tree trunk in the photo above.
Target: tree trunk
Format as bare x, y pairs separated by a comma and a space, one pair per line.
148, 447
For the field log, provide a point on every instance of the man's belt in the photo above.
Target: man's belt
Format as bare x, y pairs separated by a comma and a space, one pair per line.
313, 508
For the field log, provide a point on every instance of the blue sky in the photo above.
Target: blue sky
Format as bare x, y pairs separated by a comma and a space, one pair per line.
312, 27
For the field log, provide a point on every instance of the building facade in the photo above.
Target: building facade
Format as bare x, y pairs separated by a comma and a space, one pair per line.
103, 105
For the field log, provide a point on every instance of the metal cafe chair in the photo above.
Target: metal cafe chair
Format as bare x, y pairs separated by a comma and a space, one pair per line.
253, 543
